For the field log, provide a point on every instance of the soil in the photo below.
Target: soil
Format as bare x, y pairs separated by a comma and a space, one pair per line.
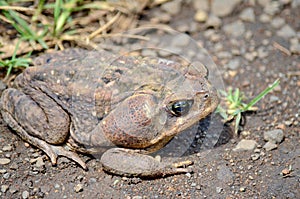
219, 172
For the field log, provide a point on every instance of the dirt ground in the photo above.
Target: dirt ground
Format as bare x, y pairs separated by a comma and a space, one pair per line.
263, 52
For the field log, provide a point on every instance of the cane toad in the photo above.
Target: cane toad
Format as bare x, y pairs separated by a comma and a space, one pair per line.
96, 102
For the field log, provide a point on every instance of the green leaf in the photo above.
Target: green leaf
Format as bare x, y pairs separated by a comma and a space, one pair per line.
237, 122
262, 94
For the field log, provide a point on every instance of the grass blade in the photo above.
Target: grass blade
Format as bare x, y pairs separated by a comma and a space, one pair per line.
261, 95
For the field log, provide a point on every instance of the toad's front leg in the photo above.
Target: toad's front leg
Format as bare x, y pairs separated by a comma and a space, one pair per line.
128, 162
39, 120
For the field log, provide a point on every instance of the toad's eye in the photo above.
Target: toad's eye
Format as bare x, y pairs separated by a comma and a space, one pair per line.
180, 108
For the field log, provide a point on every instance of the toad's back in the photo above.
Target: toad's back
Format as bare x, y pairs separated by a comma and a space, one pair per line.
89, 84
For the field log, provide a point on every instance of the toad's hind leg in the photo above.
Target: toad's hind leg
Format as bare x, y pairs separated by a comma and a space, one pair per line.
39, 120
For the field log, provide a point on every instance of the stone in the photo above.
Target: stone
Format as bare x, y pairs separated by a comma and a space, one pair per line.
255, 156
245, 145
4, 161
4, 188
25, 194
180, 40
286, 32
295, 46
270, 146
263, 3
39, 162
235, 29
275, 136
222, 8
277, 22
7, 148
213, 21
201, 5
247, 15
172, 7
78, 188
233, 64
272, 8
200, 16
250, 56
219, 189
264, 18
262, 53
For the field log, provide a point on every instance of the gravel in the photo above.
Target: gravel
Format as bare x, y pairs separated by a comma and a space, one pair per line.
245, 145
286, 32
275, 136
270, 146
222, 8
172, 7
4, 161
247, 15
235, 29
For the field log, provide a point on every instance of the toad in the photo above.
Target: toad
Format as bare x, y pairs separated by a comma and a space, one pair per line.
124, 108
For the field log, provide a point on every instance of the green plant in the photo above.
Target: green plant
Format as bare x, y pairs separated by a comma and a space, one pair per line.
36, 25
235, 106
26, 31
15, 62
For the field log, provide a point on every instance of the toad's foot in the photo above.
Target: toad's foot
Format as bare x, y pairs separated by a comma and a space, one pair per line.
128, 162
52, 151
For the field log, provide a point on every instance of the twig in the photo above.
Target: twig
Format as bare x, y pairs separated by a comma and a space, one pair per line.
293, 73
281, 48
17, 8
102, 28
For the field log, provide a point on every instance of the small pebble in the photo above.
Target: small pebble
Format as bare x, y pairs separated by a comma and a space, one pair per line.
4, 188
4, 161
172, 7
213, 21
25, 194
264, 18
219, 189
2, 171
92, 180
78, 188
277, 22
255, 156
7, 148
201, 5
263, 3
248, 15
242, 189
235, 29
222, 8
286, 32
39, 162
200, 16
12, 190
270, 146
180, 40
233, 64
275, 136
245, 145
188, 175
6, 175
137, 197
272, 8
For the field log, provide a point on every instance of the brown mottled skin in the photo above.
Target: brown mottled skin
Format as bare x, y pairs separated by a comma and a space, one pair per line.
96, 102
